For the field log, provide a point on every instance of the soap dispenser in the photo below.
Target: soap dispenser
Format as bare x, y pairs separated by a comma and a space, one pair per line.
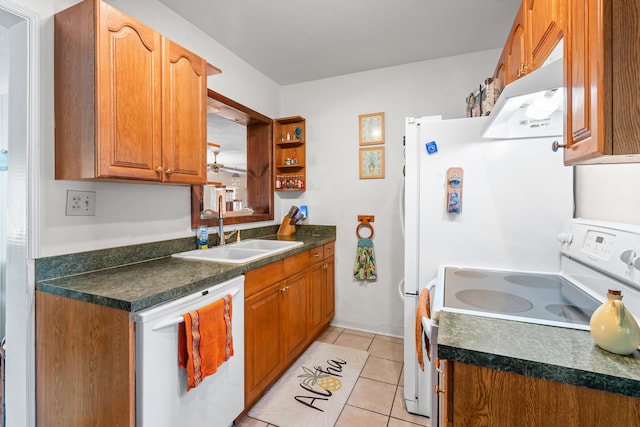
612, 326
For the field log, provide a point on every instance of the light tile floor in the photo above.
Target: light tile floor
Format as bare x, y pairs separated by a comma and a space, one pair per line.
376, 399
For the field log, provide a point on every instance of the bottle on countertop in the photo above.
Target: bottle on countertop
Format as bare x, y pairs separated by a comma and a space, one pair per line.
202, 237
613, 327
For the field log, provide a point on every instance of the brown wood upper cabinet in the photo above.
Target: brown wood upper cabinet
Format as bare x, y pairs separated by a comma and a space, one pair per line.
129, 106
544, 29
536, 30
601, 79
517, 53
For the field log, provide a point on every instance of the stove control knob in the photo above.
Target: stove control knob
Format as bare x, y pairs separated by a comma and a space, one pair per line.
628, 257
565, 238
636, 263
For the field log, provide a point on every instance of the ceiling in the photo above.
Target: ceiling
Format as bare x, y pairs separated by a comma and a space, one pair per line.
293, 41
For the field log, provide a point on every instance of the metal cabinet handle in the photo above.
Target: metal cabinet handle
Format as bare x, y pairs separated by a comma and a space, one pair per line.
438, 390
168, 172
524, 69
555, 145
159, 170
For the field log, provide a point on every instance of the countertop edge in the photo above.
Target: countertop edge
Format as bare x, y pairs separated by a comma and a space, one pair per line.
68, 286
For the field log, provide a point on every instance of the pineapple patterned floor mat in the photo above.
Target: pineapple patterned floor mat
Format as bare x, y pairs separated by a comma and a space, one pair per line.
314, 389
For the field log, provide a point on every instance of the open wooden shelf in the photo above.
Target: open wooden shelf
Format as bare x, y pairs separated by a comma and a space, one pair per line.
289, 154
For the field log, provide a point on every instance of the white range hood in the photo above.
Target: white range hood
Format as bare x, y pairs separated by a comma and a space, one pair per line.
532, 106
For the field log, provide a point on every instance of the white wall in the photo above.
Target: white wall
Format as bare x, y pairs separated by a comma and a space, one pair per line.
608, 192
335, 194
134, 213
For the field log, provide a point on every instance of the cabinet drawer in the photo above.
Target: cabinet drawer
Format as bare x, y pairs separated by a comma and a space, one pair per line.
260, 278
315, 255
328, 249
296, 263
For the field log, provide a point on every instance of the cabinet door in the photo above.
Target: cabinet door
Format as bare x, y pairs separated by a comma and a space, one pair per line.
85, 370
484, 396
184, 150
329, 289
294, 316
262, 341
516, 47
317, 300
128, 98
584, 80
544, 28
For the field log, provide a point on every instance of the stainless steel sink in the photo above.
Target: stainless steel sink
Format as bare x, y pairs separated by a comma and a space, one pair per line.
240, 252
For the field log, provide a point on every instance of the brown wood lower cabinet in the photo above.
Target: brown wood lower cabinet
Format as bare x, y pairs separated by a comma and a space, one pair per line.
286, 306
294, 316
85, 374
487, 397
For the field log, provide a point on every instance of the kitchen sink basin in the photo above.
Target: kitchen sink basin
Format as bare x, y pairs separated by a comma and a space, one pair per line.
240, 252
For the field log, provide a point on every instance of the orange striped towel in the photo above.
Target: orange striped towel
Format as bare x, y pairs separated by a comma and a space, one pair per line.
423, 310
206, 340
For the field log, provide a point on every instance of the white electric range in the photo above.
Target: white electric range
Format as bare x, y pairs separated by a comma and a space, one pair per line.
595, 257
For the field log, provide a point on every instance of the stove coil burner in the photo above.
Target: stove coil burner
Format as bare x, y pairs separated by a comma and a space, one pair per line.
570, 312
533, 281
494, 301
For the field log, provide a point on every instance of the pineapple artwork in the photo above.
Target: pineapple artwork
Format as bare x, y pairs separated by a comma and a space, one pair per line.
320, 383
319, 378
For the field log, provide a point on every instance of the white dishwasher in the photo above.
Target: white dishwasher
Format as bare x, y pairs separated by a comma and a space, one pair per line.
162, 399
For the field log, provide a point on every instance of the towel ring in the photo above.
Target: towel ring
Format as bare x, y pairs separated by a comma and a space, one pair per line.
367, 225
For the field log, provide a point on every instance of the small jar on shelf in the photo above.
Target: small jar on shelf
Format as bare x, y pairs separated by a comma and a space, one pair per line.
290, 182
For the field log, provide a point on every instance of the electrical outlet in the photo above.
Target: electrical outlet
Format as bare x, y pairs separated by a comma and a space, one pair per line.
81, 203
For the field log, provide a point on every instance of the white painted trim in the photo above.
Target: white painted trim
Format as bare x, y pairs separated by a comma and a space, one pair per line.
22, 379
33, 122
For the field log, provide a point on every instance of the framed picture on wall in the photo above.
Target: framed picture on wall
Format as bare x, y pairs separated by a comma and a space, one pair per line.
372, 129
372, 162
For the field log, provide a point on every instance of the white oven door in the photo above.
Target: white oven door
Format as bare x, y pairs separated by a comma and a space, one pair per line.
162, 399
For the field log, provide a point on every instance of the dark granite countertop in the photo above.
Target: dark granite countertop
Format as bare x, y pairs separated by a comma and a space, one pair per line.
558, 354
144, 283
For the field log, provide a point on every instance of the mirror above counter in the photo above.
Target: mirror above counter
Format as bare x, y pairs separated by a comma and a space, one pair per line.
240, 157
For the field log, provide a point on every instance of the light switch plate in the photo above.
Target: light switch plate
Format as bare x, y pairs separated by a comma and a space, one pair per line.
81, 203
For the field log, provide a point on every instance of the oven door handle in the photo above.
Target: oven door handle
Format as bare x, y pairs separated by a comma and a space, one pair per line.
179, 319
426, 327
426, 321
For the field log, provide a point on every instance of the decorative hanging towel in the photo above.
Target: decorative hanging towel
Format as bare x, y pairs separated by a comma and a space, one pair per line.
365, 266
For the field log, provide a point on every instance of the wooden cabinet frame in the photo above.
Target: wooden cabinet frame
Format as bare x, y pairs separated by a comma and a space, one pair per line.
259, 163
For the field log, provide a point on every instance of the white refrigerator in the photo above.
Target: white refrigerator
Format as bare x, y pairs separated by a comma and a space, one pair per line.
514, 198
